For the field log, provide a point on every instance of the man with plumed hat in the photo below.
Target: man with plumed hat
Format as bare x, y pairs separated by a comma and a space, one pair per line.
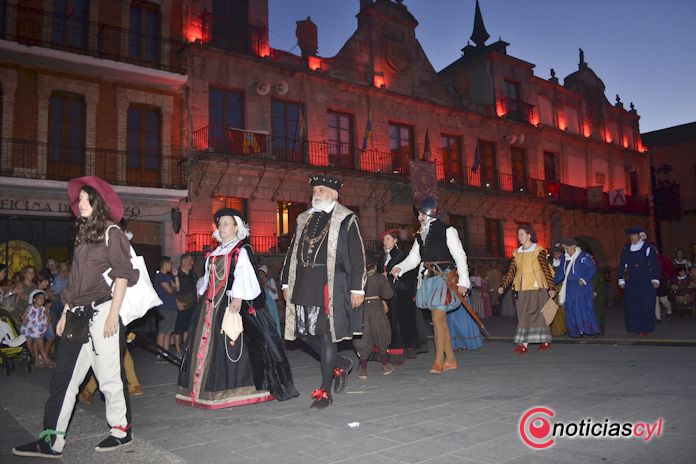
639, 277
323, 282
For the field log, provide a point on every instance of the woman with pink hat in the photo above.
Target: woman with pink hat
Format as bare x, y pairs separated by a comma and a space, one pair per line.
99, 248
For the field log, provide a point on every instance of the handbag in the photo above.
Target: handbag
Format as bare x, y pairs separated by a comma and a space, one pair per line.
77, 321
549, 311
140, 297
232, 325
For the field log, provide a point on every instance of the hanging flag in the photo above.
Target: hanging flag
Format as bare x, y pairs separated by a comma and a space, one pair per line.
300, 123
368, 129
426, 149
477, 159
595, 197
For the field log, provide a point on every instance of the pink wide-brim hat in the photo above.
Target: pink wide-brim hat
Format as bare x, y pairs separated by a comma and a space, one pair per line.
105, 191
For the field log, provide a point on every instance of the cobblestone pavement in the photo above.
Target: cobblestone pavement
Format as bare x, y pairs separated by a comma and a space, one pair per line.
469, 415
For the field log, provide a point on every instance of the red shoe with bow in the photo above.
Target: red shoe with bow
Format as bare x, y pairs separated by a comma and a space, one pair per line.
521, 349
545, 346
341, 374
321, 399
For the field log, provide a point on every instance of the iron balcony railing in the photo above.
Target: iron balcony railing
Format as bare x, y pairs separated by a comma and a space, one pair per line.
201, 242
263, 147
256, 145
73, 32
33, 160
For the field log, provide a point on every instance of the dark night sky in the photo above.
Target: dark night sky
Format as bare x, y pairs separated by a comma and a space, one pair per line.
644, 50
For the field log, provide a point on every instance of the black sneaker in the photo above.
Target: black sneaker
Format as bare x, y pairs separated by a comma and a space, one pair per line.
37, 449
111, 443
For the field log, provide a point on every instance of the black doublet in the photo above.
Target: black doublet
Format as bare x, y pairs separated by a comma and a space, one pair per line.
434, 247
311, 277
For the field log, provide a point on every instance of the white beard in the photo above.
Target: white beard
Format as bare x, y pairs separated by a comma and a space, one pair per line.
320, 204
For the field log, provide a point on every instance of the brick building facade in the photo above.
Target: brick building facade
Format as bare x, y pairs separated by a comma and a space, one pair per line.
89, 88
542, 146
252, 123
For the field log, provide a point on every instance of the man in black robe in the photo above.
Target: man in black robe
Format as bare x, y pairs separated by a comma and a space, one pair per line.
323, 283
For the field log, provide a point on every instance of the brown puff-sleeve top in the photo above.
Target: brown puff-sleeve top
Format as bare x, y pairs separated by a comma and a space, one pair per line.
90, 260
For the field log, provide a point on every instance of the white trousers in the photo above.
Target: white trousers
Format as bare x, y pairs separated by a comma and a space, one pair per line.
665, 302
103, 355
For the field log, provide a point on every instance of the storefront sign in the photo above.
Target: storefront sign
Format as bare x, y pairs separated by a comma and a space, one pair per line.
48, 206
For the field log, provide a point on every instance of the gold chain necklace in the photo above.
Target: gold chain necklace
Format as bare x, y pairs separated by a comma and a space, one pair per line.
310, 245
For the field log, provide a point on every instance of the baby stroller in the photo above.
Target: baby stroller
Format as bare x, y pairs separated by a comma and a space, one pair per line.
13, 345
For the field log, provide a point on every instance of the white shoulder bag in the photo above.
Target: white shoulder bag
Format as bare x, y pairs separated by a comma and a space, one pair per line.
140, 297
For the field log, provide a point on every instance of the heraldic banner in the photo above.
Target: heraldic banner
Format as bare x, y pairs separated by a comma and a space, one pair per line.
423, 179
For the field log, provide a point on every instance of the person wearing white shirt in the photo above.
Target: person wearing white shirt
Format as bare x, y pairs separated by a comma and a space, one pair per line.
438, 244
219, 369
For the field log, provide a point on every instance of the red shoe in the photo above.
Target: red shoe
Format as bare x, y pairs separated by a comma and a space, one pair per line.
544, 346
521, 349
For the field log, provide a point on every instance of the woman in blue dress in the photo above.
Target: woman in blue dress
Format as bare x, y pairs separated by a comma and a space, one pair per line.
575, 273
639, 276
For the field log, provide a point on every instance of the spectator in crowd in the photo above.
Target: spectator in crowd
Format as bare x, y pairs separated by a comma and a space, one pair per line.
666, 275
25, 285
185, 300
683, 296
680, 261
43, 285
35, 322
3, 281
166, 285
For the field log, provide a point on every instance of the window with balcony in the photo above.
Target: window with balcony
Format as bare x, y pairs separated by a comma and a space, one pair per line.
452, 158
230, 28
144, 41
571, 119
287, 222
287, 129
494, 238
635, 184
551, 171
70, 23
461, 224
518, 160
339, 129
225, 111
143, 145
515, 108
488, 165
402, 147
240, 204
546, 116
66, 136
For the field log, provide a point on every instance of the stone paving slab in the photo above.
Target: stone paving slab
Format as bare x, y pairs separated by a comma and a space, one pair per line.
469, 415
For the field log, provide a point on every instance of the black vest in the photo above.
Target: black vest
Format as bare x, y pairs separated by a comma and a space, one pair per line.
435, 246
